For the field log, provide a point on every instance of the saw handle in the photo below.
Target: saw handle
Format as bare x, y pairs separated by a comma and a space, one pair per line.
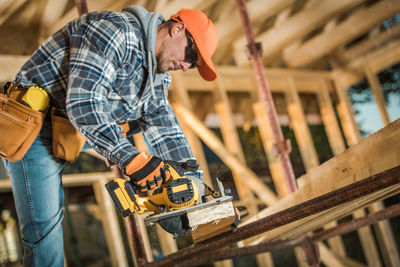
190, 165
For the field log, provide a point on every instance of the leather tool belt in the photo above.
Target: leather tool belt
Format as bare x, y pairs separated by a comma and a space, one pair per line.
19, 123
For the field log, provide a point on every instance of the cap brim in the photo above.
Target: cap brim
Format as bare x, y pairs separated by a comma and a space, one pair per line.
206, 69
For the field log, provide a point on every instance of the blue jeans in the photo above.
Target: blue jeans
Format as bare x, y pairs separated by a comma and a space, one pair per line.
39, 198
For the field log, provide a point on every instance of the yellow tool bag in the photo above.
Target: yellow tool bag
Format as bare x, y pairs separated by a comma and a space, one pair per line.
19, 124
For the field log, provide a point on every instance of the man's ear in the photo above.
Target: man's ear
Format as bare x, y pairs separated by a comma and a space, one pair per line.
176, 28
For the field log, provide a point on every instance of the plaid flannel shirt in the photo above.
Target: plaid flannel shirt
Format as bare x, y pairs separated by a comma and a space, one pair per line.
93, 69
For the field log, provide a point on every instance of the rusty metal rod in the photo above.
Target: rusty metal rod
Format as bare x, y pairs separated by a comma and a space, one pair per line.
346, 227
276, 245
334, 198
81, 6
255, 51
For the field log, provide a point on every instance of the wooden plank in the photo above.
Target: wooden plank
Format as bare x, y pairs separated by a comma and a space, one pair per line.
346, 115
241, 80
376, 153
10, 65
174, 6
252, 181
379, 59
276, 39
181, 95
316, 221
328, 116
367, 242
145, 237
232, 142
365, 47
53, 11
337, 145
231, 27
328, 258
274, 161
211, 221
300, 127
167, 242
376, 89
386, 238
335, 243
8, 8
110, 224
353, 137
346, 31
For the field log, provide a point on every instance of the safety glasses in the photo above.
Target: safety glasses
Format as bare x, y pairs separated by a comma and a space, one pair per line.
190, 51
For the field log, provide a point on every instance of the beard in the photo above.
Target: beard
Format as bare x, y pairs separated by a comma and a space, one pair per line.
162, 64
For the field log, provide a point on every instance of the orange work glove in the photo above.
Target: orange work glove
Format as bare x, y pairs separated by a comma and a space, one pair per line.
147, 172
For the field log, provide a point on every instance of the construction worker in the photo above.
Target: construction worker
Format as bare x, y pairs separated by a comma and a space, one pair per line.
101, 70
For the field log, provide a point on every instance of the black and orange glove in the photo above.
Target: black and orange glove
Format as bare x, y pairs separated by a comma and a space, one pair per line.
147, 172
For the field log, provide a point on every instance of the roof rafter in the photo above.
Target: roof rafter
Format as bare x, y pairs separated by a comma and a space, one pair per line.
346, 31
276, 39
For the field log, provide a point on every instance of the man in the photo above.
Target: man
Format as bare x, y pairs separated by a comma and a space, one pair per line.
101, 70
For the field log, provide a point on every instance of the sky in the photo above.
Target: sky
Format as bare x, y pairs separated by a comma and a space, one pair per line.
369, 119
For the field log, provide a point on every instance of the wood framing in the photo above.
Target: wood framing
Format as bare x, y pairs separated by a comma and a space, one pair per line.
374, 154
312, 51
326, 42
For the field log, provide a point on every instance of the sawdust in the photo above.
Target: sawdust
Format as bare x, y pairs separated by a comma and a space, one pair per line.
212, 214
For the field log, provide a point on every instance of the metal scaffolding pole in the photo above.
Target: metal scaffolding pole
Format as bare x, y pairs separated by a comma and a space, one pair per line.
255, 50
132, 221
377, 182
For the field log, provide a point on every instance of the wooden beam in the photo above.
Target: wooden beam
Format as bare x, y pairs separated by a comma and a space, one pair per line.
379, 59
174, 6
300, 127
378, 152
241, 79
110, 224
276, 39
53, 11
376, 89
252, 181
329, 120
365, 47
181, 94
232, 142
10, 65
346, 31
231, 27
346, 114
385, 238
353, 137
8, 7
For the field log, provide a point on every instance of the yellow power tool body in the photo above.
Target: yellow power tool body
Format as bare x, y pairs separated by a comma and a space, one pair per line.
170, 202
181, 192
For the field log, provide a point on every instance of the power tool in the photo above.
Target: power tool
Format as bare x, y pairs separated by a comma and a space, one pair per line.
169, 201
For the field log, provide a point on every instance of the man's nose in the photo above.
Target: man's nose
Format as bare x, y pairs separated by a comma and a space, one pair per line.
185, 65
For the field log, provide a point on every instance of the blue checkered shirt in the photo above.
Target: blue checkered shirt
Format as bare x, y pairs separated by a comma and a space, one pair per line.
93, 69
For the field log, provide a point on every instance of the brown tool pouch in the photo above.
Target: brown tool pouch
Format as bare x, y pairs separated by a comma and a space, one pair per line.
67, 141
19, 125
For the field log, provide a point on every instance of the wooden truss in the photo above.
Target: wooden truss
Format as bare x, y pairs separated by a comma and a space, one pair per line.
310, 47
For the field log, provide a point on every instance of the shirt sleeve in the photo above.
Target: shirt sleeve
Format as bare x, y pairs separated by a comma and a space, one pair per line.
96, 48
166, 136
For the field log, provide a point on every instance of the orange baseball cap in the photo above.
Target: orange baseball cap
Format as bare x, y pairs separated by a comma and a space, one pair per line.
205, 36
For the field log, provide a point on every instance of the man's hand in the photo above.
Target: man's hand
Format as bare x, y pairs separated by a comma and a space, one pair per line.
147, 172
